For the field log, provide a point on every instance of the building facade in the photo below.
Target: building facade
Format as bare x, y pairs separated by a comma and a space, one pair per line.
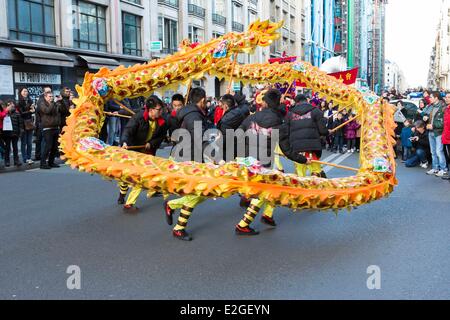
394, 77
442, 49
57, 41
320, 30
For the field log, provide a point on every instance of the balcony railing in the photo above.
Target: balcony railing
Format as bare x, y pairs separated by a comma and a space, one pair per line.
218, 19
168, 50
170, 3
196, 10
239, 27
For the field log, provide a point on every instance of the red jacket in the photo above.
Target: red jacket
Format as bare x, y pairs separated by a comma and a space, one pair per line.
218, 114
446, 132
2, 116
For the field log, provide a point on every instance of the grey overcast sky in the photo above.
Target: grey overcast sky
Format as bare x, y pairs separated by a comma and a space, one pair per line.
411, 27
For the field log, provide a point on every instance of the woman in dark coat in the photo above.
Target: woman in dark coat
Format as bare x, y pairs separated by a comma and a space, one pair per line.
26, 108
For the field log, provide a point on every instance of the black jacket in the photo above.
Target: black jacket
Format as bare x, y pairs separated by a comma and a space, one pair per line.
64, 109
187, 117
24, 108
261, 123
245, 106
136, 132
231, 120
337, 123
423, 142
172, 122
301, 131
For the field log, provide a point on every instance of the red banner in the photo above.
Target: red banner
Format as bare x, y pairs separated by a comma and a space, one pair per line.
348, 76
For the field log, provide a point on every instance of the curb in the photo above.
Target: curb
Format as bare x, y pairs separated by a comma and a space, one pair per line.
26, 167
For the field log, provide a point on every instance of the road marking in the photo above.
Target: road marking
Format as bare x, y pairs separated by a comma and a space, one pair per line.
338, 160
330, 157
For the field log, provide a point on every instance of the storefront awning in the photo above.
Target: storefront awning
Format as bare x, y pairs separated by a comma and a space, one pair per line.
96, 63
45, 57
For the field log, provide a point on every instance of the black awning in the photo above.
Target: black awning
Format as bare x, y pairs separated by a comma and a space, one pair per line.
96, 63
45, 57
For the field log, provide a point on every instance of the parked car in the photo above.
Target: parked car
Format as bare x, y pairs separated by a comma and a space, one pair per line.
411, 107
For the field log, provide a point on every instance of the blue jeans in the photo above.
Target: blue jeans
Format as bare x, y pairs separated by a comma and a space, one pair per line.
26, 144
406, 153
437, 152
112, 130
418, 157
338, 143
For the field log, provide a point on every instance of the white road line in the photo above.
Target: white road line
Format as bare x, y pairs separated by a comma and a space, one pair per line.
338, 160
330, 157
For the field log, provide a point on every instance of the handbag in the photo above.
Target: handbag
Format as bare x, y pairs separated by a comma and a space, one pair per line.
7, 124
29, 125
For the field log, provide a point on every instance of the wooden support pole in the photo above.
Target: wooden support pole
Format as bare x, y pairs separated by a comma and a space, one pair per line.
232, 73
289, 88
117, 115
186, 99
134, 147
334, 165
345, 123
124, 107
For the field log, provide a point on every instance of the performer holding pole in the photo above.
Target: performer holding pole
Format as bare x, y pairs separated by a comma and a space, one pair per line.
146, 129
300, 136
261, 123
194, 115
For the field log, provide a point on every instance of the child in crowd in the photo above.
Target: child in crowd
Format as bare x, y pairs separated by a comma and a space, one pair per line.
338, 144
350, 131
405, 136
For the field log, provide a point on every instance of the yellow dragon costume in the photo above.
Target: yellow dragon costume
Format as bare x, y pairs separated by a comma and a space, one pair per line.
82, 150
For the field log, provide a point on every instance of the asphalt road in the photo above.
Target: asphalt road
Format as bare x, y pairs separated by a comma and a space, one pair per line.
50, 220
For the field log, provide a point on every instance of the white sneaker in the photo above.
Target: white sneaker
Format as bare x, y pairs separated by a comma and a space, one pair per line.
424, 165
441, 173
432, 172
349, 151
29, 161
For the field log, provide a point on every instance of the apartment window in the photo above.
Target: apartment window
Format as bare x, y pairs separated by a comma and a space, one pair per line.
90, 26
168, 34
131, 34
32, 20
195, 34
237, 12
216, 35
218, 7
251, 16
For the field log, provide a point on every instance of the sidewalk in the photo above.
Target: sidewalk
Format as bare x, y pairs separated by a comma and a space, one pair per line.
25, 167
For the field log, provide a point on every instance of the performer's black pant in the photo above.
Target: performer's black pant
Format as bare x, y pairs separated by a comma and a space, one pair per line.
38, 142
50, 137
